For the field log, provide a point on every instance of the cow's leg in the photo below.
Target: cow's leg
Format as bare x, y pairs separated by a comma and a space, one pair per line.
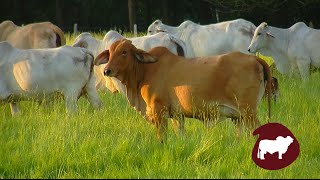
279, 155
239, 126
119, 86
247, 120
304, 68
46, 104
92, 94
178, 125
250, 119
156, 114
162, 129
14, 109
71, 98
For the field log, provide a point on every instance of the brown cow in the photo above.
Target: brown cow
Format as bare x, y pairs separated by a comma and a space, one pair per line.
32, 36
162, 85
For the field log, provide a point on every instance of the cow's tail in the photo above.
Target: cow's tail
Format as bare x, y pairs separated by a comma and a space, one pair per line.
91, 63
89, 56
60, 38
267, 78
181, 45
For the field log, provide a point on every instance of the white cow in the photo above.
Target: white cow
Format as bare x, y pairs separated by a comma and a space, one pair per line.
295, 47
279, 145
95, 46
212, 39
146, 43
31, 36
39, 74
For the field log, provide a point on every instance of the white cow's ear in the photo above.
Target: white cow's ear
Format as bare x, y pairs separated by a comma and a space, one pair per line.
157, 22
102, 58
269, 34
82, 44
265, 24
144, 57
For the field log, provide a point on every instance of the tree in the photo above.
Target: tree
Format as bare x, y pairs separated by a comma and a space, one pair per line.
132, 13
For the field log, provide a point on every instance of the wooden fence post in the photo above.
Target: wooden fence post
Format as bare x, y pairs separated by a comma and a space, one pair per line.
75, 29
135, 30
217, 15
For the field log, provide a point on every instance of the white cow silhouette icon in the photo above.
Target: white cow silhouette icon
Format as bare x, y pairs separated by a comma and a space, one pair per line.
279, 145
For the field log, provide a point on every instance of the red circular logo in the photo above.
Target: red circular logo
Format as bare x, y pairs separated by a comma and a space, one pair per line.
275, 148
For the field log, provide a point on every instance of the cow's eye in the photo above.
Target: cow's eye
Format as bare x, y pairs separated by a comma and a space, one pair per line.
259, 34
124, 53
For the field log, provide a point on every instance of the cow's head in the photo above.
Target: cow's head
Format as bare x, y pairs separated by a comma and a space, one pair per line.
121, 58
156, 27
260, 38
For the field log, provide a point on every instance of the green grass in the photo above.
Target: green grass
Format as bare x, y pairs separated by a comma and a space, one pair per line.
116, 142
98, 35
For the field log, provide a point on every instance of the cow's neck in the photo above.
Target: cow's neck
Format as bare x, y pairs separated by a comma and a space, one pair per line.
279, 44
280, 41
182, 32
170, 29
185, 30
278, 49
133, 79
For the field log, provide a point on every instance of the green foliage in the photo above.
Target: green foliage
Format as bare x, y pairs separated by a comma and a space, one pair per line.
98, 15
116, 142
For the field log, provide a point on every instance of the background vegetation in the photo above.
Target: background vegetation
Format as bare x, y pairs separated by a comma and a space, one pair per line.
96, 15
116, 142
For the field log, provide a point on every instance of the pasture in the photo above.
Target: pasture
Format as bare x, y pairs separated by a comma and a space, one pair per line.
116, 142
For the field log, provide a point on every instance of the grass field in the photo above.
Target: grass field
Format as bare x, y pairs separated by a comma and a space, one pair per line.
116, 142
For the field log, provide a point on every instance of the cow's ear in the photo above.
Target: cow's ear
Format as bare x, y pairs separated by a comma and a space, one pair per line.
265, 24
82, 44
270, 35
102, 58
144, 57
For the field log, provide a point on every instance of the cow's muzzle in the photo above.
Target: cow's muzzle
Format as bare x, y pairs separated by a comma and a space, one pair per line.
107, 72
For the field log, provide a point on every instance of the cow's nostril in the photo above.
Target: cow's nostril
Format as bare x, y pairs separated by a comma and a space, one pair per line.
107, 72
249, 49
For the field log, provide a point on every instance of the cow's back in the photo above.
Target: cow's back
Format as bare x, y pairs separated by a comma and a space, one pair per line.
309, 39
160, 39
220, 38
223, 79
33, 36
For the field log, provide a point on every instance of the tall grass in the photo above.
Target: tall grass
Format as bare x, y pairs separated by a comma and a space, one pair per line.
116, 142
99, 35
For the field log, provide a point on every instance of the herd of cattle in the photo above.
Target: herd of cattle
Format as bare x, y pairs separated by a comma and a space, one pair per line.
207, 72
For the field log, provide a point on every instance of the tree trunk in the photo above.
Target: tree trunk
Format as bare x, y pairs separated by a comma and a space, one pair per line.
59, 13
132, 13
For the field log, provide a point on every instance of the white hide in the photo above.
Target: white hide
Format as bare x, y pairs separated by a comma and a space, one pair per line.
292, 48
212, 39
39, 74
